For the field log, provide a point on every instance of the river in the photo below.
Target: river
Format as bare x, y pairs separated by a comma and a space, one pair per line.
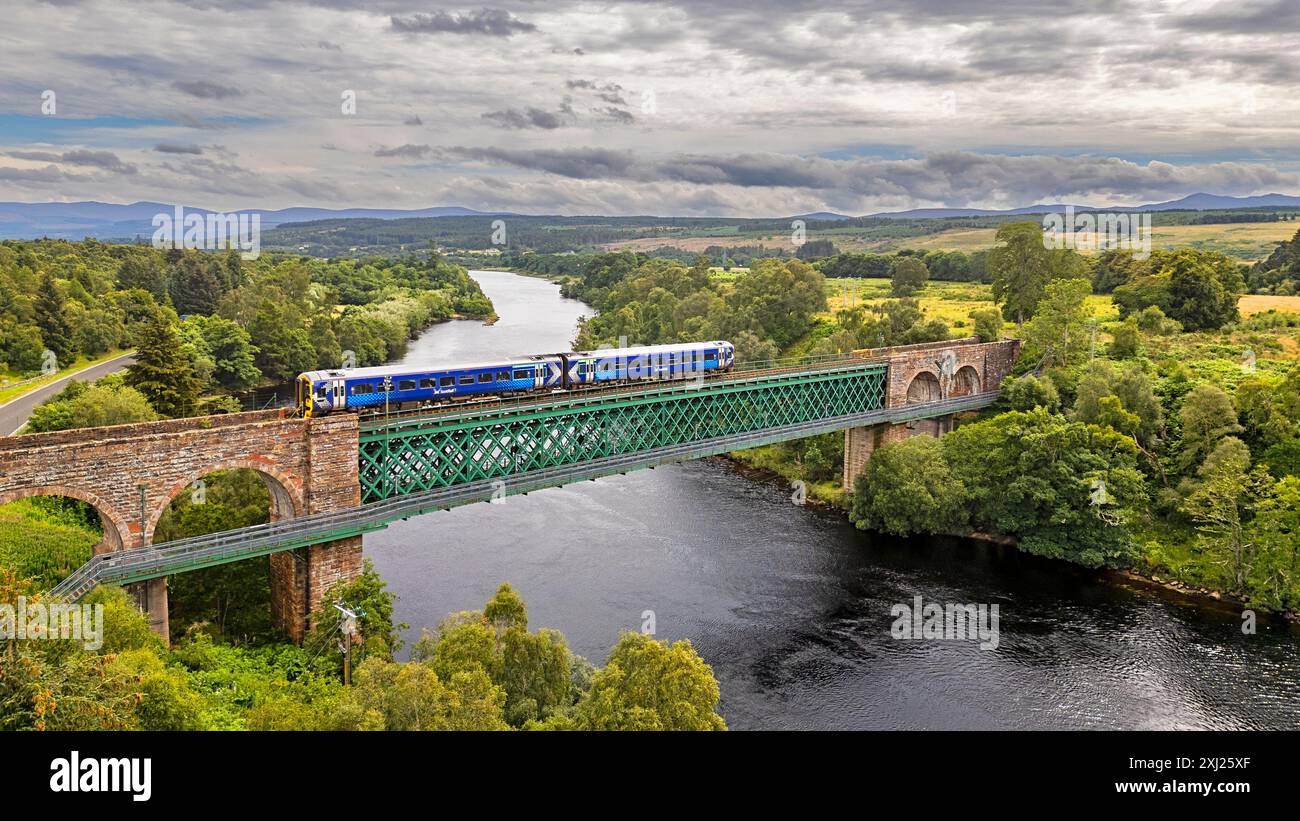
791, 605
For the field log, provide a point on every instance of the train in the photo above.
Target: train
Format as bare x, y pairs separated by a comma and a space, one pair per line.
399, 387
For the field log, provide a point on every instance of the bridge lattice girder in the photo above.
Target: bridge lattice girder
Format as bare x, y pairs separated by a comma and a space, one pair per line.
415, 457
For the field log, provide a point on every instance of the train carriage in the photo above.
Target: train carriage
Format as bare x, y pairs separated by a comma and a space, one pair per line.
393, 387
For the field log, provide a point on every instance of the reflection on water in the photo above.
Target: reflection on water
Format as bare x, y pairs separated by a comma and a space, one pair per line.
791, 606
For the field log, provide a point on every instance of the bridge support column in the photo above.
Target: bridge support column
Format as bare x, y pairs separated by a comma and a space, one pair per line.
300, 580
860, 443
151, 597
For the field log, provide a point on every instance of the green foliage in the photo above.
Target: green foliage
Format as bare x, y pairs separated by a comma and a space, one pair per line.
1058, 333
1024, 393
45, 539
988, 324
162, 372
1273, 578
1196, 288
651, 685
1126, 341
50, 319
80, 405
1206, 417
1021, 267
907, 276
225, 350
1037, 476
908, 487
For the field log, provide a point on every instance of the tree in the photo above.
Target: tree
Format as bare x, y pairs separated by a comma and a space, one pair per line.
1219, 505
283, 350
55, 332
1206, 417
228, 347
908, 275
907, 487
1114, 267
1063, 488
106, 402
143, 271
651, 685
195, 288
1274, 577
1021, 267
161, 370
1058, 333
1024, 393
1261, 402
387, 695
988, 324
1125, 341
777, 300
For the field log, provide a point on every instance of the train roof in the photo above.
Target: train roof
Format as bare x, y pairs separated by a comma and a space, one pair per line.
432, 367
530, 359
647, 349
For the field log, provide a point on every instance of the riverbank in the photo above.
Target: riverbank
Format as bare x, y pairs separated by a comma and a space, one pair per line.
757, 463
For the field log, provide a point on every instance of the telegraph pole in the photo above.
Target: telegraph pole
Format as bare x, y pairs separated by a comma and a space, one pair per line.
348, 625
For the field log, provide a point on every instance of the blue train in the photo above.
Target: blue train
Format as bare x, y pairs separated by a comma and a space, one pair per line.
394, 387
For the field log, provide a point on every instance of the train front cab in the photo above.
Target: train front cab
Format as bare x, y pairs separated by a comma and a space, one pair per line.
303, 397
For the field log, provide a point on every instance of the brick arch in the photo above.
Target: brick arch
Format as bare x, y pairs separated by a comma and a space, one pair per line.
284, 489
966, 381
924, 387
115, 526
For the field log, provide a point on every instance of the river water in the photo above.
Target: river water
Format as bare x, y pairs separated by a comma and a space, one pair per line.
792, 606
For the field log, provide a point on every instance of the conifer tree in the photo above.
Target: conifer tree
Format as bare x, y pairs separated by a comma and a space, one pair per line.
161, 370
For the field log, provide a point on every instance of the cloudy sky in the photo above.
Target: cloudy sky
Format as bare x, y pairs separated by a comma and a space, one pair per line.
717, 107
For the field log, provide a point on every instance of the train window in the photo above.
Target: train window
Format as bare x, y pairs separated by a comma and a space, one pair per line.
447, 381
362, 388
523, 374
426, 384
406, 385
485, 377
467, 380
503, 376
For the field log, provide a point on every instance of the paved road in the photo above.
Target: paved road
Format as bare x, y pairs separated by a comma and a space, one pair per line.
13, 414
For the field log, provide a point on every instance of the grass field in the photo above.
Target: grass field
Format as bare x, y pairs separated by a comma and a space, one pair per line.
1245, 241
1252, 304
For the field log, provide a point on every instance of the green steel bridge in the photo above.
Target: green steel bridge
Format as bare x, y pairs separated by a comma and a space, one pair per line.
415, 464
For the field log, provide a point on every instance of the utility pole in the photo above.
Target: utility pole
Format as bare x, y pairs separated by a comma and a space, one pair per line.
348, 625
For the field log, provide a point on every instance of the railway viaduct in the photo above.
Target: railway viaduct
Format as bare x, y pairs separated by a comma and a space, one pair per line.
336, 468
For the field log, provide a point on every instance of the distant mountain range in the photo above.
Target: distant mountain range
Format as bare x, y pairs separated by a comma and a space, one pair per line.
76, 220
1192, 202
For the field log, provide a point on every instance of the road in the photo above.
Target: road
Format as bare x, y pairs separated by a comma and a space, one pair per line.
13, 414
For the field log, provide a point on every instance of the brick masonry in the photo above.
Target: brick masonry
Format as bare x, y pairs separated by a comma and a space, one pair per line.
927, 372
131, 473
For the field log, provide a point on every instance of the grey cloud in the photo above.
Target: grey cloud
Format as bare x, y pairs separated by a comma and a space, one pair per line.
492, 22
526, 118
177, 148
408, 151
206, 90
105, 160
414, 119
953, 178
